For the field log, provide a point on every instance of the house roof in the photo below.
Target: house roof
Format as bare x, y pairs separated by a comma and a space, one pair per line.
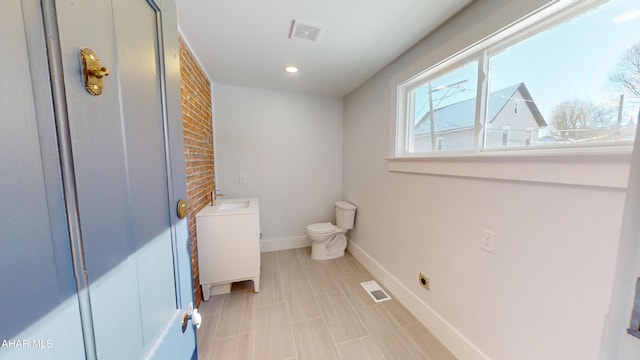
461, 115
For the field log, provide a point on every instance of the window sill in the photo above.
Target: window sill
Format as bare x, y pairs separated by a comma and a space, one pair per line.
607, 168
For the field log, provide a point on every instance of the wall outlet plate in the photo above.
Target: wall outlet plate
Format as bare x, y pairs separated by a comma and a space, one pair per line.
424, 281
488, 241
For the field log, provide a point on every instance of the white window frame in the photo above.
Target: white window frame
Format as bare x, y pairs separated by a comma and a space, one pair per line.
600, 165
506, 130
528, 137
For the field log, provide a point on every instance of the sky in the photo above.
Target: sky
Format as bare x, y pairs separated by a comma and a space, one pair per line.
570, 61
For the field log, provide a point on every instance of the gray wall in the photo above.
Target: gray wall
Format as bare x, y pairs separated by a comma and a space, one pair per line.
545, 292
289, 147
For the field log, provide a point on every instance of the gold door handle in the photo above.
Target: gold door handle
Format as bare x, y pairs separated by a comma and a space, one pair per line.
181, 209
93, 72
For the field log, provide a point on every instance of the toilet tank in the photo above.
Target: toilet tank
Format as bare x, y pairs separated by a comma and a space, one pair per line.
345, 215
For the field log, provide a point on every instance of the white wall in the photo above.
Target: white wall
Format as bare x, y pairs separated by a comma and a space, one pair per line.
544, 294
289, 146
617, 344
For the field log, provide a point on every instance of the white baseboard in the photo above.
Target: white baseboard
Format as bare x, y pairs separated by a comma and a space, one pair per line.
453, 340
293, 242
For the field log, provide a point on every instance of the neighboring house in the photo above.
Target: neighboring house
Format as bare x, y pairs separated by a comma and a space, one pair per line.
512, 116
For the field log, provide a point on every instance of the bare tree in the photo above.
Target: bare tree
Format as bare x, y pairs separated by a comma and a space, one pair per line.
626, 75
580, 120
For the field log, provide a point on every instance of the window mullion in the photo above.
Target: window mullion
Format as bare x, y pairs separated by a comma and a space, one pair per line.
411, 98
432, 119
481, 103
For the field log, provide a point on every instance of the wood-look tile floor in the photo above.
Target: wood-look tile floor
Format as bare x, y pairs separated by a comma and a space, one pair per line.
309, 309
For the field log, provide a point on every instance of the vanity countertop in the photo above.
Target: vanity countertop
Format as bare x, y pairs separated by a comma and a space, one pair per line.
231, 207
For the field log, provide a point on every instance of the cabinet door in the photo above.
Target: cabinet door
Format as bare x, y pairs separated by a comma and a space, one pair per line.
229, 247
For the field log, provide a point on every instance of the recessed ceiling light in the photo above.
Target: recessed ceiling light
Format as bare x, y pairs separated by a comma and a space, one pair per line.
291, 69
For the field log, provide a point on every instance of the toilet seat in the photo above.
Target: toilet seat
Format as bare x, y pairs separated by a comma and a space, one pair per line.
329, 241
321, 228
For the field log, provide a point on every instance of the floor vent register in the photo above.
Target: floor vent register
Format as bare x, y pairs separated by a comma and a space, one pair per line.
375, 291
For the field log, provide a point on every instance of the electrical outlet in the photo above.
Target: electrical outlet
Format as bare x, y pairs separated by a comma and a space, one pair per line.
424, 281
242, 179
488, 241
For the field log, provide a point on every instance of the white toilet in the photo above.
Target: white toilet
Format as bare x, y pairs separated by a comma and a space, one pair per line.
329, 241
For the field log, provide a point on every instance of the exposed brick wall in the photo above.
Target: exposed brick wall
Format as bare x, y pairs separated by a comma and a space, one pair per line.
198, 148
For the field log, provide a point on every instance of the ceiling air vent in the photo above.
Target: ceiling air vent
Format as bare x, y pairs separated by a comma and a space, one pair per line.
306, 31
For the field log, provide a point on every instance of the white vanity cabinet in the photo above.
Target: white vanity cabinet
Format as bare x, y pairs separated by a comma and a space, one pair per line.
228, 245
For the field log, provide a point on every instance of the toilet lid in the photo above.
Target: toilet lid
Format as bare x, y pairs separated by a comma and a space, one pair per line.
321, 228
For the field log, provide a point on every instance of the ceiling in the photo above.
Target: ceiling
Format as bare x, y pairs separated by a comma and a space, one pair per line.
246, 42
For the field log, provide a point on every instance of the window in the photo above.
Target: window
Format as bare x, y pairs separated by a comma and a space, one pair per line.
529, 136
506, 132
545, 88
444, 107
